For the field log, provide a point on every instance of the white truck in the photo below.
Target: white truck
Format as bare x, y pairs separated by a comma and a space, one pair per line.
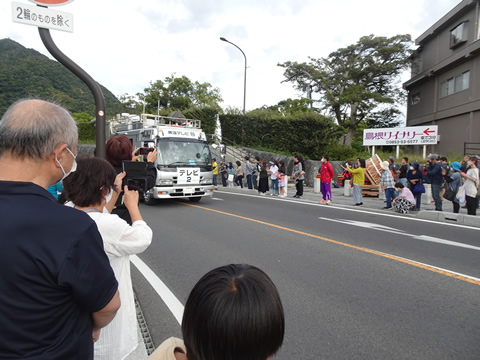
184, 162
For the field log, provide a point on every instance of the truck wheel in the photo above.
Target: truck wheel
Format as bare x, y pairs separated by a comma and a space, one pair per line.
148, 198
195, 199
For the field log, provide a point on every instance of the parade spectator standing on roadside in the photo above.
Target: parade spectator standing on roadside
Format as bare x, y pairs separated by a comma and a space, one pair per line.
57, 289
402, 172
281, 178
298, 175
117, 150
415, 181
434, 172
387, 184
255, 173
358, 180
214, 171
263, 182
248, 173
326, 176
464, 163
392, 166
455, 184
239, 174
89, 189
223, 173
273, 171
471, 185
230, 174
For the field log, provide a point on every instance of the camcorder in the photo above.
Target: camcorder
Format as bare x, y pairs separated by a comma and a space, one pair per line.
136, 178
144, 151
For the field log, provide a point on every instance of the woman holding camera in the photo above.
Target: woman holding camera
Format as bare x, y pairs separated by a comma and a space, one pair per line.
89, 188
118, 149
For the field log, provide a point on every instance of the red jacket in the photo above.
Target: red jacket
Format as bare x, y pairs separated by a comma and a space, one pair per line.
326, 172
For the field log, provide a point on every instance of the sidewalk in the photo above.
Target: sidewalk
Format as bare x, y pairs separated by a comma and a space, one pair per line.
374, 204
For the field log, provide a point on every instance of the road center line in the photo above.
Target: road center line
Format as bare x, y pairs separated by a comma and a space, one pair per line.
434, 269
162, 290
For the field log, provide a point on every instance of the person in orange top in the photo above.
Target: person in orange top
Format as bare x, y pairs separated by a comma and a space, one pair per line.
326, 175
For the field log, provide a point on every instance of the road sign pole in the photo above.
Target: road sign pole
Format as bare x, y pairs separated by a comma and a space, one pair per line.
88, 80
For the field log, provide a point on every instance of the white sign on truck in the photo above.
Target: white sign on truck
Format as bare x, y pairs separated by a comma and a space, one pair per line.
415, 135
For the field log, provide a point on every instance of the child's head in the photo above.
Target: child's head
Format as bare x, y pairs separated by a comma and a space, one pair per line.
233, 312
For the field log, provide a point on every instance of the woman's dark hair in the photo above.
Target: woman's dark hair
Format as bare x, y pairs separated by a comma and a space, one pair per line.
92, 180
230, 165
281, 163
238, 163
325, 157
234, 312
118, 148
399, 185
257, 158
362, 163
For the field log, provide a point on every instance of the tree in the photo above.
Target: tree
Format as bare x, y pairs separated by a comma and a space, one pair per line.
180, 93
358, 83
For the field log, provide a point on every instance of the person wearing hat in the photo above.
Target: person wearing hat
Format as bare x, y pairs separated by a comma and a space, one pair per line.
435, 174
387, 184
415, 182
455, 184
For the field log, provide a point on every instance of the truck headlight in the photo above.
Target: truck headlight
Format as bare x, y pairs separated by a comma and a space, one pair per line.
165, 182
206, 181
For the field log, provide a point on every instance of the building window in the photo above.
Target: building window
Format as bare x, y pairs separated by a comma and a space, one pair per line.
459, 35
454, 84
415, 99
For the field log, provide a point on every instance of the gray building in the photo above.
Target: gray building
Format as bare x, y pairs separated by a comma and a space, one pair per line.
444, 88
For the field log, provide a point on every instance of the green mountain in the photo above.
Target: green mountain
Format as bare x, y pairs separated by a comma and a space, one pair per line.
25, 73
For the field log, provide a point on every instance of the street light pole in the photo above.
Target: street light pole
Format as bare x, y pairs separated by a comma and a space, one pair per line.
245, 73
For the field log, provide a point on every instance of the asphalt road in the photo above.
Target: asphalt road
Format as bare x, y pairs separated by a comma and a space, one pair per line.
354, 284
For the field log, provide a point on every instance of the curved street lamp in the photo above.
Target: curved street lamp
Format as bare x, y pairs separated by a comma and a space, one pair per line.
245, 73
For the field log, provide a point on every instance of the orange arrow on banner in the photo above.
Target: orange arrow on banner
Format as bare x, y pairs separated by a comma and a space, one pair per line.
427, 131
51, 2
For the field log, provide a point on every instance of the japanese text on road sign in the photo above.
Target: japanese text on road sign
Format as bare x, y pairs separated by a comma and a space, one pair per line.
42, 17
417, 135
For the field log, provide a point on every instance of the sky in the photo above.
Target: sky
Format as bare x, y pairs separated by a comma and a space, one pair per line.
126, 44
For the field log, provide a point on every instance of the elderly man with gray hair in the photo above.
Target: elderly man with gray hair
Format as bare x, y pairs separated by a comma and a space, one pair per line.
434, 172
57, 289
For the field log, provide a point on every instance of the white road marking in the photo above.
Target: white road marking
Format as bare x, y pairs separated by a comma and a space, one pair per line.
216, 199
378, 227
345, 208
162, 290
434, 267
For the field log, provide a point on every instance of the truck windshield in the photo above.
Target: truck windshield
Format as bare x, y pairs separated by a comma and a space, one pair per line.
183, 153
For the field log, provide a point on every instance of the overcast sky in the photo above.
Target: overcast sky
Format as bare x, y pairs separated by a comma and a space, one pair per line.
125, 44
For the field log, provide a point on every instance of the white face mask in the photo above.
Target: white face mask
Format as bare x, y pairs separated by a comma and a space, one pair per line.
323, 160
74, 165
412, 168
108, 197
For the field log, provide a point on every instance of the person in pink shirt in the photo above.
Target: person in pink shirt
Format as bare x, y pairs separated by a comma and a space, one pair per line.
405, 201
326, 175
